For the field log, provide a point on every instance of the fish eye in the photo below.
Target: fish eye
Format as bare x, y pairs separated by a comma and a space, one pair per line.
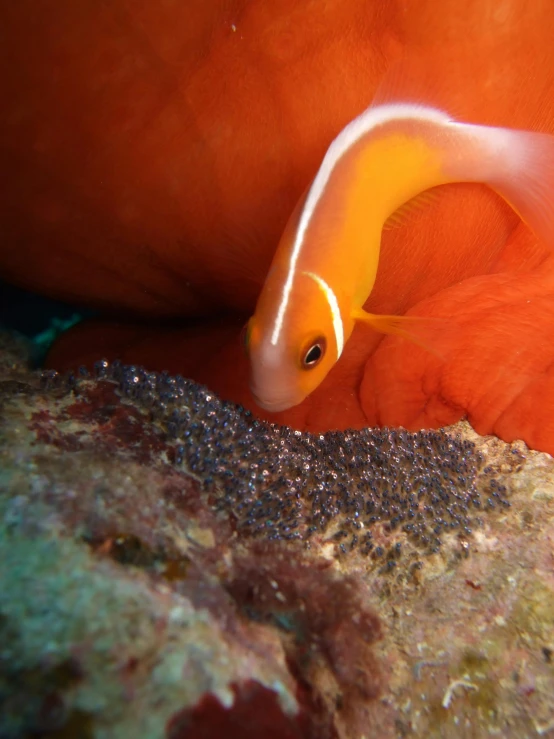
314, 353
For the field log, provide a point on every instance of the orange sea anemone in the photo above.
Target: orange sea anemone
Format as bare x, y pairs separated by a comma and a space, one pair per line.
152, 155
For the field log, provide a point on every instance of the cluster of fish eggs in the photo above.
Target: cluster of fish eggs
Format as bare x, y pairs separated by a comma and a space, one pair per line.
376, 491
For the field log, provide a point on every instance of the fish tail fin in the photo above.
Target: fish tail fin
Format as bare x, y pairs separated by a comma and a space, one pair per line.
423, 331
523, 174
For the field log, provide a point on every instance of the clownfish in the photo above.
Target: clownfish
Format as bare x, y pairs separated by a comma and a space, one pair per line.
326, 262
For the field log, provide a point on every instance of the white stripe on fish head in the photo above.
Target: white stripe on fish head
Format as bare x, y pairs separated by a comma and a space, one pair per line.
333, 304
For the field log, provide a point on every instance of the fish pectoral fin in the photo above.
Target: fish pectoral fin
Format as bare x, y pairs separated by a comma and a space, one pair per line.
424, 331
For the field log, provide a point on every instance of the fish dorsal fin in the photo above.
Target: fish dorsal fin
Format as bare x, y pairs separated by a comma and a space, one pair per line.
411, 79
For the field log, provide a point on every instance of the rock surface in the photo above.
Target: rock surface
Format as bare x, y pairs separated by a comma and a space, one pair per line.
172, 568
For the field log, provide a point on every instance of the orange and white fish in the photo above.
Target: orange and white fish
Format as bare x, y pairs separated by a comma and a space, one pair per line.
325, 265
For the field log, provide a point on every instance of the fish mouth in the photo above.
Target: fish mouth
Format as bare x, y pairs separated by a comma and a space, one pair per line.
274, 406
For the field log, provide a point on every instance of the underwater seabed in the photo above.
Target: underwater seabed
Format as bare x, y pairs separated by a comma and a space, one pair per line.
172, 567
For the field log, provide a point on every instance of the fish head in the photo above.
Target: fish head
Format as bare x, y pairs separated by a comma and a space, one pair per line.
293, 341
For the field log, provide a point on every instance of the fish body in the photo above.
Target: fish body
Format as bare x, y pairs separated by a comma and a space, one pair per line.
326, 263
